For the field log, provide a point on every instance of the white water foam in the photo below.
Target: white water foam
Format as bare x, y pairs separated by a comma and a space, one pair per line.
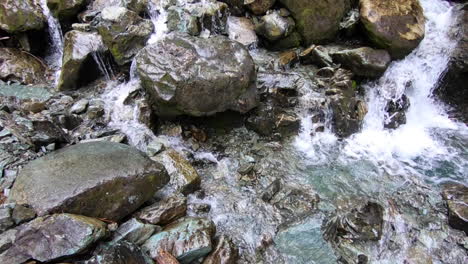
158, 16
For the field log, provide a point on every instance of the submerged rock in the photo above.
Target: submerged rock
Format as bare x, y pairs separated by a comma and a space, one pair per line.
79, 48
123, 32
20, 66
398, 26
193, 76
20, 16
396, 110
225, 252
188, 239
48, 238
317, 21
456, 196
99, 179
366, 62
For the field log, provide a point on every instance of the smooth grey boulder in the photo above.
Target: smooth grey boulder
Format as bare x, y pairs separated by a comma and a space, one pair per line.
185, 75
123, 32
365, 61
134, 231
78, 51
188, 239
274, 26
241, 29
21, 15
48, 238
98, 179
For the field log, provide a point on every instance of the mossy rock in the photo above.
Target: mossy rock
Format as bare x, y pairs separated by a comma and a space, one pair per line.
65, 9
20, 16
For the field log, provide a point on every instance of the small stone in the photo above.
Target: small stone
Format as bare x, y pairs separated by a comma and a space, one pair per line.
225, 252
134, 231
34, 107
241, 29
456, 196
246, 168
288, 58
317, 55
79, 107
121, 252
271, 190
22, 214
6, 220
165, 211
155, 147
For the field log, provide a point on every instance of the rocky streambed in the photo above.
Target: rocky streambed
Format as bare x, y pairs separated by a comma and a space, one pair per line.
257, 131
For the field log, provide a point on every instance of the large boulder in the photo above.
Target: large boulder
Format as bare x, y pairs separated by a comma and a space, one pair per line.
48, 238
241, 29
78, 51
187, 239
99, 179
365, 62
21, 15
123, 32
317, 21
452, 86
65, 9
398, 26
259, 7
20, 66
193, 76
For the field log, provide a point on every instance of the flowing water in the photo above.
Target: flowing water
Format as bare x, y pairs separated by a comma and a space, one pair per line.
376, 163
55, 51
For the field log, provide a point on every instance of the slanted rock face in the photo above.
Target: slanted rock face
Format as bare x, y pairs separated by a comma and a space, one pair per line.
78, 49
65, 9
188, 239
99, 179
48, 238
398, 26
21, 15
194, 76
366, 62
16, 65
123, 32
319, 20
456, 196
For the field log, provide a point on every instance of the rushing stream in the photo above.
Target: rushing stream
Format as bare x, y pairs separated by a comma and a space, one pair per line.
387, 166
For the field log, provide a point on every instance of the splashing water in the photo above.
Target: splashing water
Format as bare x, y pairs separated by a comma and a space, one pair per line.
158, 16
421, 143
55, 51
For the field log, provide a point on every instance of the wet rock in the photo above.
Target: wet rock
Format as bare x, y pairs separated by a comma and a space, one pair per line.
20, 16
317, 55
366, 62
78, 62
22, 214
273, 26
187, 75
45, 132
262, 120
398, 26
294, 40
294, 203
7, 239
99, 179
452, 84
65, 9
288, 123
137, 6
271, 190
183, 176
317, 21
259, 7
29, 98
225, 252
96, 109
164, 211
79, 107
123, 32
6, 220
241, 29
48, 238
359, 221
350, 22
20, 66
396, 111
121, 252
187, 239
456, 196
287, 59
134, 231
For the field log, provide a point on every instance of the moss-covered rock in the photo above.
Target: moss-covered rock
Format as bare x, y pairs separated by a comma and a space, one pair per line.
20, 66
398, 26
123, 32
65, 9
21, 15
78, 49
317, 21
100, 179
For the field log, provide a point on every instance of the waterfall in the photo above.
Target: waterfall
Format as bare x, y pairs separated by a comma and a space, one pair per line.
55, 50
158, 16
422, 137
